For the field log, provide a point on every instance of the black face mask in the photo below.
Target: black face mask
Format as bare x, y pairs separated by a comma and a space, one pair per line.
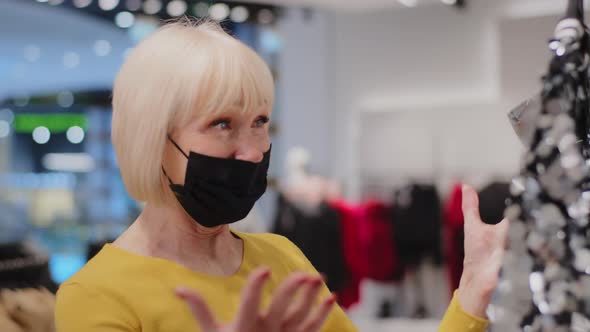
220, 191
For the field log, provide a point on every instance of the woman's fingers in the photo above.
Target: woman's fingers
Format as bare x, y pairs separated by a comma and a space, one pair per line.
292, 308
302, 306
316, 319
199, 308
502, 229
283, 298
251, 297
470, 206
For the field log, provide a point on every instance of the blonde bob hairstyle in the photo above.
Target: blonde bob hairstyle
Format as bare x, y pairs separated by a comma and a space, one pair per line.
185, 68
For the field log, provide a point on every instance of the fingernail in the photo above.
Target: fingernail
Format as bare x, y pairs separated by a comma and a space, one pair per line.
181, 292
302, 281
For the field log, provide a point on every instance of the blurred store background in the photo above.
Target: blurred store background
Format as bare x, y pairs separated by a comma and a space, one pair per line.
383, 108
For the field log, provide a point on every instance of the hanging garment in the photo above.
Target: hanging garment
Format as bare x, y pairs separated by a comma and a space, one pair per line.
417, 238
367, 245
454, 236
546, 282
416, 219
375, 229
317, 232
352, 251
492, 202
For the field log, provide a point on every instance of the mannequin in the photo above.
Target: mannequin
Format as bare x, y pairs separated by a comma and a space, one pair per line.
300, 186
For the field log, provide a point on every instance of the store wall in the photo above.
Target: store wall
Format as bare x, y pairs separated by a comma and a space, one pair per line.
462, 71
302, 89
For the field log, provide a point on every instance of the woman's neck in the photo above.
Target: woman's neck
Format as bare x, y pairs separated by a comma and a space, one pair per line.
167, 232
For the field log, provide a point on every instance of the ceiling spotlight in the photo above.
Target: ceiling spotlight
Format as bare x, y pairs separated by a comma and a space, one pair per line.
449, 2
219, 11
82, 3
133, 5
42, 1
4, 128
107, 5
266, 16
239, 14
176, 8
65, 99
75, 134
41, 135
152, 7
201, 9
124, 20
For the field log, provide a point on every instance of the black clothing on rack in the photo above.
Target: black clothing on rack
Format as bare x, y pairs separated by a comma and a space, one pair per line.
318, 234
416, 216
492, 202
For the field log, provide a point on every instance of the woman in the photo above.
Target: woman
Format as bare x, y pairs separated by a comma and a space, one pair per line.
191, 107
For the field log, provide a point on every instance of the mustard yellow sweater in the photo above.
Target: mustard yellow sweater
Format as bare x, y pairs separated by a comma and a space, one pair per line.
123, 292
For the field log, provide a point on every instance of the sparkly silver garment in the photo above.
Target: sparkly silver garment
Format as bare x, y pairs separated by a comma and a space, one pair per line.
545, 283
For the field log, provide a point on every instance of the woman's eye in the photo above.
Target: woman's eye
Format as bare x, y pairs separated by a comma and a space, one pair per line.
221, 124
261, 121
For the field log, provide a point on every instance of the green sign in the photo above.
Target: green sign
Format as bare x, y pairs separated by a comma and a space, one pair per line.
56, 123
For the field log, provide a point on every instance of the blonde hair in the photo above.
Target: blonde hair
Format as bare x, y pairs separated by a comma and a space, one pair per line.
183, 69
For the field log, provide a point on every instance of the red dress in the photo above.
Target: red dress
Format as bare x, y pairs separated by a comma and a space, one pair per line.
368, 247
454, 235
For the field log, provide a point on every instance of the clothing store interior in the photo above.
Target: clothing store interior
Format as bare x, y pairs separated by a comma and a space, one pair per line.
383, 110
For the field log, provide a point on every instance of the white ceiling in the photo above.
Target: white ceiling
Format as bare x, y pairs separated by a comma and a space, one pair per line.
518, 8
346, 5
64, 31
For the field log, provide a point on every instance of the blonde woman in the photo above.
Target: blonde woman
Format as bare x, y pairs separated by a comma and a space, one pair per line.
191, 107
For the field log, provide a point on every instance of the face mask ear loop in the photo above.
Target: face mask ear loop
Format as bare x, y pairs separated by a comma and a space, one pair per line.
178, 147
166, 174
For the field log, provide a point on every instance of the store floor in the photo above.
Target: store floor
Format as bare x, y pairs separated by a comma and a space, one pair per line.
402, 325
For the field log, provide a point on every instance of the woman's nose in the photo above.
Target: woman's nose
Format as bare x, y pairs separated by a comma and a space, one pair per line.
251, 154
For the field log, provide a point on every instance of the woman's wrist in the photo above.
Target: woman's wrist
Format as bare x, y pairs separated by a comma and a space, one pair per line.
475, 293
